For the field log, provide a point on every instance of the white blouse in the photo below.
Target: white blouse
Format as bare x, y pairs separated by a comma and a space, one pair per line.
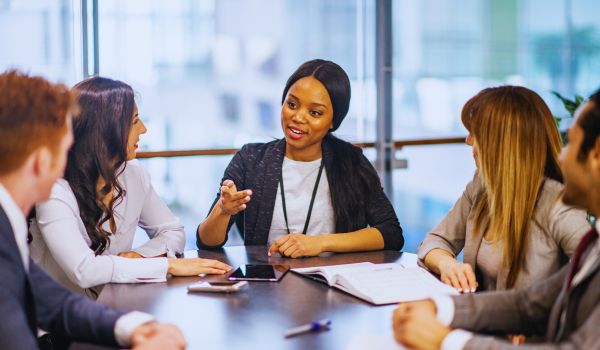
61, 245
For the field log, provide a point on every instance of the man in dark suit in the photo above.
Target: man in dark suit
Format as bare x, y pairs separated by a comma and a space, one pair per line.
35, 135
564, 309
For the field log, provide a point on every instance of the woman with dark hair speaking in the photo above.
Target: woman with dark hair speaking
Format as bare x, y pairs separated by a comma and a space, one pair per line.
83, 234
309, 192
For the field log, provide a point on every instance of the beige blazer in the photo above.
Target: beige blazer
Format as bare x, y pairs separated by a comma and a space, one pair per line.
566, 319
555, 231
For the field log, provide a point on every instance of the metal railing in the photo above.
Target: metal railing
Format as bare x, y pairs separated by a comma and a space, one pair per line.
228, 151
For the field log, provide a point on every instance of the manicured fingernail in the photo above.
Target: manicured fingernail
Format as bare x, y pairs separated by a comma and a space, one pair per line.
249, 192
472, 290
243, 206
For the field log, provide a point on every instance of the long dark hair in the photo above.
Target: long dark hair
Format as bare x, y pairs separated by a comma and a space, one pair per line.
353, 177
99, 151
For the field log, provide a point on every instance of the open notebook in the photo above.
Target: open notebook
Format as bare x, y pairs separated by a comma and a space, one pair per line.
379, 284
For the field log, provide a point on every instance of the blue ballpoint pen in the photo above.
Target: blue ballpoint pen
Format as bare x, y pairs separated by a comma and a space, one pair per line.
311, 327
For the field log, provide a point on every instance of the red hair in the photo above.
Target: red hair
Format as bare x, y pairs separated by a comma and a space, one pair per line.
33, 114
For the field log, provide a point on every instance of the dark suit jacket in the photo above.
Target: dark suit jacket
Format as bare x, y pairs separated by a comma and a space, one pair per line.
536, 310
33, 300
258, 167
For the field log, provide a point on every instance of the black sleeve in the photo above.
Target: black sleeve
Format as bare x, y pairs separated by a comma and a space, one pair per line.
380, 212
236, 172
74, 316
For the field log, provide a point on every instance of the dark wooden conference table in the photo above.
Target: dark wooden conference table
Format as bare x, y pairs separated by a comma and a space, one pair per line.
258, 316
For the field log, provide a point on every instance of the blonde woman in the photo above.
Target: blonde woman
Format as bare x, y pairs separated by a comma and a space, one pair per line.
509, 221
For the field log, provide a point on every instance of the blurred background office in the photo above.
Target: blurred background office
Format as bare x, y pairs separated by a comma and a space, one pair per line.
209, 75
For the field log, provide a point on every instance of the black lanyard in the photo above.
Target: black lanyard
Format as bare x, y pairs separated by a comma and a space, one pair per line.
312, 200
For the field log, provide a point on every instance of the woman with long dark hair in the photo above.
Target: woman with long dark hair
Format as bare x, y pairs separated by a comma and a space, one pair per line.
309, 192
83, 235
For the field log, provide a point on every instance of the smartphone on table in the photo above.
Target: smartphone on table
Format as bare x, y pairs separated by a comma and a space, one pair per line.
218, 286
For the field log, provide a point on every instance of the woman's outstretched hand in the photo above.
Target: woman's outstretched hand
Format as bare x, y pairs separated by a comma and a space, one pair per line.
233, 201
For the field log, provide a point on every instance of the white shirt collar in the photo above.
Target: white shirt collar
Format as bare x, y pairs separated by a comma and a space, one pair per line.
17, 222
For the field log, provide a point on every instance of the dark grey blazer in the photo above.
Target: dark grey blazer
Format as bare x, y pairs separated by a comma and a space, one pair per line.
32, 300
536, 310
257, 167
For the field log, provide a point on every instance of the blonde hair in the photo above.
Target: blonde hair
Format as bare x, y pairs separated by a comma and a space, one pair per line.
518, 145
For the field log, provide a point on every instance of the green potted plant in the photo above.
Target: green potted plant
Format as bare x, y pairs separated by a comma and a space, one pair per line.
570, 106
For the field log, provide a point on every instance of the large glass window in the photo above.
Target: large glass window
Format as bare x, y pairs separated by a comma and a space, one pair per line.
210, 74
41, 37
445, 53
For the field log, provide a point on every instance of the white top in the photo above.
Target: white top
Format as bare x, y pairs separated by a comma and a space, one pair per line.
61, 244
17, 222
299, 182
